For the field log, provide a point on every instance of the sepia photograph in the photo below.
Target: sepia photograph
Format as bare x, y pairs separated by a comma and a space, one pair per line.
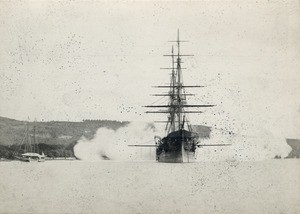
150, 107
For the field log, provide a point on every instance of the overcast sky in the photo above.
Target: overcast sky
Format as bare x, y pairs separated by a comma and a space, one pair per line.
74, 60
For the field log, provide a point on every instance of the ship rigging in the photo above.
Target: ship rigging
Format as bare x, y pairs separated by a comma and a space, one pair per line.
180, 143
28, 150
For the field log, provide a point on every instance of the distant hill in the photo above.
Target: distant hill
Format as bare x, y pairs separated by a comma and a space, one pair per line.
295, 144
57, 138
53, 132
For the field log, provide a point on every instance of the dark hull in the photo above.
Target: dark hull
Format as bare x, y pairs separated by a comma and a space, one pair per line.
23, 159
30, 159
177, 147
170, 157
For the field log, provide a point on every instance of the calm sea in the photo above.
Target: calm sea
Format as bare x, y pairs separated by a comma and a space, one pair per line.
271, 186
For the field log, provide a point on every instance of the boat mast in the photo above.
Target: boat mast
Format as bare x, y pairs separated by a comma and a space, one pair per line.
172, 95
34, 141
27, 138
29, 146
179, 83
177, 96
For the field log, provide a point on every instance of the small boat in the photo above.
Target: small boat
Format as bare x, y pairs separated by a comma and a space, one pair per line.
31, 157
28, 150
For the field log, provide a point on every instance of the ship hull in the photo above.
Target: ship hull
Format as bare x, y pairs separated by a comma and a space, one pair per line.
31, 157
177, 157
170, 157
177, 147
22, 159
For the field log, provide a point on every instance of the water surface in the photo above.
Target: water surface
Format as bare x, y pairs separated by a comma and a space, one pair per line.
271, 186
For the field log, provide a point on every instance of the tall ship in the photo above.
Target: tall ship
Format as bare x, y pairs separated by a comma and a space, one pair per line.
28, 150
180, 142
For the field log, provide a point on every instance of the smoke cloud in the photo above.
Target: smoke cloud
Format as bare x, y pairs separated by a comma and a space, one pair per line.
243, 147
113, 145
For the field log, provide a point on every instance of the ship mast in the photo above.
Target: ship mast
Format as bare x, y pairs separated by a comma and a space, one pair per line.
172, 96
27, 144
177, 96
35, 146
179, 84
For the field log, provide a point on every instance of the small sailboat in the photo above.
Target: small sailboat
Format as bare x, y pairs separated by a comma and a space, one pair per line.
28, 150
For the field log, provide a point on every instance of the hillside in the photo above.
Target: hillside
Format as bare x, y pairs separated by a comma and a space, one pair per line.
53, 132
295, 144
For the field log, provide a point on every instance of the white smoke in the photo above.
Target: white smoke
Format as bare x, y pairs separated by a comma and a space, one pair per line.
243, 147
259, 111
113, 145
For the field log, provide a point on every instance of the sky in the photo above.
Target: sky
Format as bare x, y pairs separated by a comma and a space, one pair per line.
75, 60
